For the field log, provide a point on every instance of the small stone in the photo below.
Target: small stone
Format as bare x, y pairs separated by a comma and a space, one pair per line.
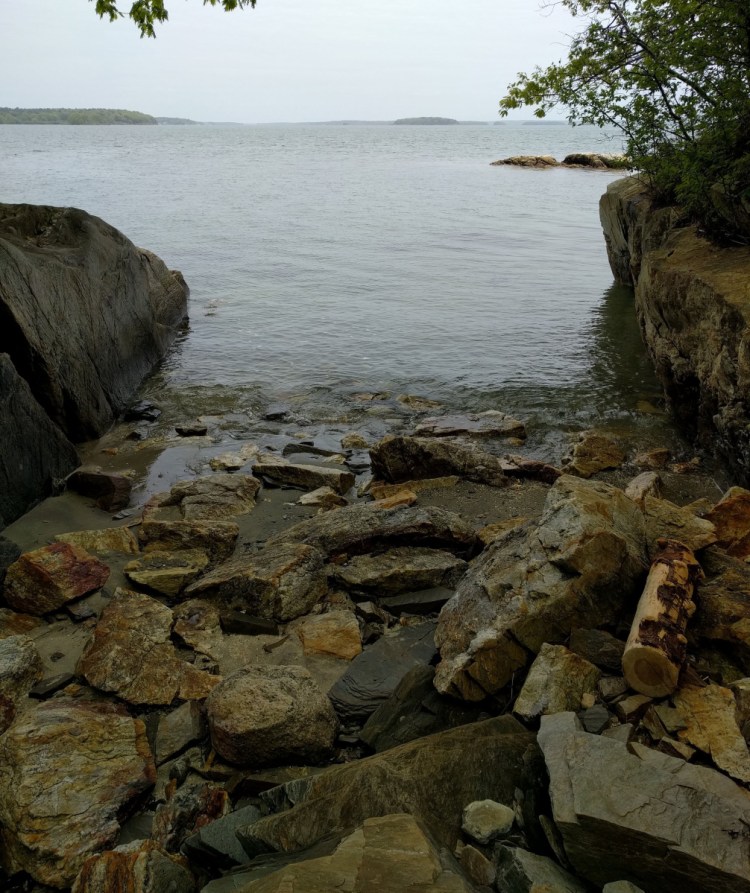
418, 404
142, 411
227, 462
653, 725
593, 453
588, 699
556, 682
671, 718
676, 749
354, 441
192, 429
611, 687
335, 634
655, 459
326, 497
50, 684
477, 866
620, 733
486, 820
632, 707
595, 719
45, 579
167, 573
646, 484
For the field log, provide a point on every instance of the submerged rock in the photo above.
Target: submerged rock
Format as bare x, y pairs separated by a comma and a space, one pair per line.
68, 769
578, 568
264, 716
45, 579
542, 161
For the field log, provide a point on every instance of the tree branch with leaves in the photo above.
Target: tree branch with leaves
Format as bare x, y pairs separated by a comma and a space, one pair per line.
147, 13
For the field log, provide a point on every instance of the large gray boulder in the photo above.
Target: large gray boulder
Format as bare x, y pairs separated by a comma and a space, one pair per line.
84, 314
626, 812
34, 453
579, 567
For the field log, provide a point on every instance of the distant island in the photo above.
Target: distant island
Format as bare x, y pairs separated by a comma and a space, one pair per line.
426, 121
160, 120
73, 116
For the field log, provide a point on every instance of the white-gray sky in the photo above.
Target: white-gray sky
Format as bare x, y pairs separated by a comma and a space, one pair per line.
287, 60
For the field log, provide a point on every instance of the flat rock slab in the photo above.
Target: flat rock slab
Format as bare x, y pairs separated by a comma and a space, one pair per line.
216, 497
131, 654
68, 768
167, 573
306, 477
579, 567
277, 583
45, 579
216, 538
398, 570
485, 424
419, 778
261, 716
557, 681
111, 539
363, 528
391, 854
372, 677
625, 811
396, 458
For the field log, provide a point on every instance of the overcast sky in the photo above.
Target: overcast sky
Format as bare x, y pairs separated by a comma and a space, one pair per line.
287, 60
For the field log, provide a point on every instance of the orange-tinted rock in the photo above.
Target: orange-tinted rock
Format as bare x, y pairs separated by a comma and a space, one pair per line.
335, 634
68, 769
147, 869
731, 517
45, 579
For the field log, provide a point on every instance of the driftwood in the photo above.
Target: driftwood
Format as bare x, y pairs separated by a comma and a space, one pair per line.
655, 650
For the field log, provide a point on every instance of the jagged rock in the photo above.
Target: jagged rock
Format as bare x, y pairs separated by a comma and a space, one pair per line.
147, 869
85, 363
20, 669
191, 807
414, 710
655, 459
373, 676
632, 707
599, 647
581, 565
397, 459
217, 842
723, 606
259, 716
592, 453
111, 539
596, 160
611, 687
398, 570
392, 854
664, 520
167, 573
131, 654
110, 491
519, 871
280, 582
731, 518
648, 483
45, 579
528, 161
335, 634
485, 820
709, 714
483, 424
477, 866
626, 811
326, 497
364, 528
68, 769
216, 538
35, 455
557, 681
306, 477
177, 730
419, 778
216, 497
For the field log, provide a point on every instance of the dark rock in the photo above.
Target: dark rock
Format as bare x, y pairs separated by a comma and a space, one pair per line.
141, 412
276, 412
595, 719
419, 778
50, 684
122, 310
415, 710
191, 807
216, 843
192, 429
35, 455
9, 552
373, 676
599, 647
519, 871
111, 492
247, 625
425, 601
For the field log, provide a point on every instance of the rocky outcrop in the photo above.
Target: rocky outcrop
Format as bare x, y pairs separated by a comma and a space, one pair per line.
693, 306
35, 455
84, 314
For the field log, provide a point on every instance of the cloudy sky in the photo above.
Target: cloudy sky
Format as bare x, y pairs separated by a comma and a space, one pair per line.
287, 60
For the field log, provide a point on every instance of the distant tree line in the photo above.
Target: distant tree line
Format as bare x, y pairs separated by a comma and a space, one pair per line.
73, 116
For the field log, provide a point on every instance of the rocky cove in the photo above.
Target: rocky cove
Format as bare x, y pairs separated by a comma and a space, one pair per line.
351, 664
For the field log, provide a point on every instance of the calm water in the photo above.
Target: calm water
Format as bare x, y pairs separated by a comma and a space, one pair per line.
325, 261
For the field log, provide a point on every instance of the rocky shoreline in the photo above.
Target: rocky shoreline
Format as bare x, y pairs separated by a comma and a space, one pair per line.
392, 664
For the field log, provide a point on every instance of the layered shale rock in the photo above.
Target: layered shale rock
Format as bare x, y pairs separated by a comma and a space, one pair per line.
583, 562
68, 770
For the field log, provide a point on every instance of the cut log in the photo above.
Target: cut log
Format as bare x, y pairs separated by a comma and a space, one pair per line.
655, 650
